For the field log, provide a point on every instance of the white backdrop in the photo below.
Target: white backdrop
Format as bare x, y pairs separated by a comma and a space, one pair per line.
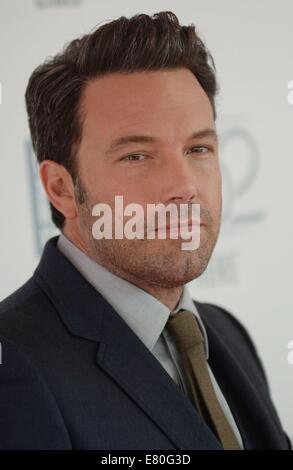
250, 273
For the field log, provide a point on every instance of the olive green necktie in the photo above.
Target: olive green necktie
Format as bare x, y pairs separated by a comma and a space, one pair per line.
183, 328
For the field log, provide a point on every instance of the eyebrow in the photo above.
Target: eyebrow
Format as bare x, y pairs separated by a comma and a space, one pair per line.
129, 139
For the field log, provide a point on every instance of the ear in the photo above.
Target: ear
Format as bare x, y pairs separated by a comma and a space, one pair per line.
59, 187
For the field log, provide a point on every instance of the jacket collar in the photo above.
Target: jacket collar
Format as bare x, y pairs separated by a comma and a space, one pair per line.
243, 387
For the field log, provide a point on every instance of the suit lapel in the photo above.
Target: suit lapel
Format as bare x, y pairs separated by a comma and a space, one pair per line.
120, 352
242, 385
142, 377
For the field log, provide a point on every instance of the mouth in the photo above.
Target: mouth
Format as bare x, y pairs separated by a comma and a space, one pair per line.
190, 224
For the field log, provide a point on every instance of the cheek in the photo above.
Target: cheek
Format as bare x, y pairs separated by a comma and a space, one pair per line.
111, 194
109, 182
211, 183
211, 195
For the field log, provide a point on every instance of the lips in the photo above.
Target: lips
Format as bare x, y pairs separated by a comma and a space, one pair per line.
183, 224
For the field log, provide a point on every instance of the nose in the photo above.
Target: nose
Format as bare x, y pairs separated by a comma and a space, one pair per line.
180, 182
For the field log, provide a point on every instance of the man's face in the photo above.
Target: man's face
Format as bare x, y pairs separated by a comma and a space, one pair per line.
170, 106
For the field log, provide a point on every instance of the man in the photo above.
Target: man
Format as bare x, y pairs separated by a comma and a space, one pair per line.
91, 359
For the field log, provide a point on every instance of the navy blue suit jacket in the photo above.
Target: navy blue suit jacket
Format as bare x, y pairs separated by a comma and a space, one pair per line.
75, 376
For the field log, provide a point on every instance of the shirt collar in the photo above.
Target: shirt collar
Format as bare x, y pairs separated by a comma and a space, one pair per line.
142, 312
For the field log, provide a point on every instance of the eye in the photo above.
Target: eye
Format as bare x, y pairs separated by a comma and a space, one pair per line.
133, 157
200, 149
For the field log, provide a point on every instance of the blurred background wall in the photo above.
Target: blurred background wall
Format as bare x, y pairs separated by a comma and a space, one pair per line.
250, 273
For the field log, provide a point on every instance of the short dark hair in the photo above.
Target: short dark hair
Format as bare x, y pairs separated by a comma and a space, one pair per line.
139, 43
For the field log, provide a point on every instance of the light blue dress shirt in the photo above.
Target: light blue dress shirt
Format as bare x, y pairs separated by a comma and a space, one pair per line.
145, 315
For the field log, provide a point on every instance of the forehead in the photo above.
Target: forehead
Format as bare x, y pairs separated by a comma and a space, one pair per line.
144, 101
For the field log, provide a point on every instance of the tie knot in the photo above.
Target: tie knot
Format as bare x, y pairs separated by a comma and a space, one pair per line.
184, 329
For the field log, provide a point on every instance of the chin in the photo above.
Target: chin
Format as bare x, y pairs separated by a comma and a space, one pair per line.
177, 280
